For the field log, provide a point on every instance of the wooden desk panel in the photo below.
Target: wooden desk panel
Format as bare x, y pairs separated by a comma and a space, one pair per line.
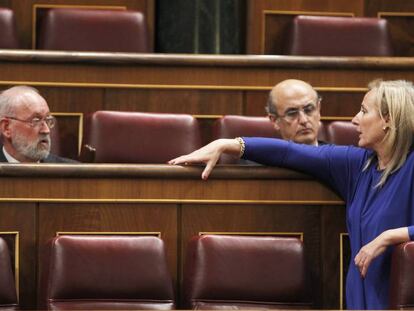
40, 200
202, 85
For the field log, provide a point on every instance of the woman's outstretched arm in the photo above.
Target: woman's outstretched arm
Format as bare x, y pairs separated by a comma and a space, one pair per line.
210, 154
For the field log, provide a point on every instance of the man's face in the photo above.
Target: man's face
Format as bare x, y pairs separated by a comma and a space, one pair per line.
298, 116
30, 142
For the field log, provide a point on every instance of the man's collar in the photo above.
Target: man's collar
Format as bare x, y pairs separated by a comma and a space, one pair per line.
9, 158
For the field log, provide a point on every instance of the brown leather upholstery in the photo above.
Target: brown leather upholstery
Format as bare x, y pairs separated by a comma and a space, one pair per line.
341, 133
245, 272
8, 33
108, 272
231, 126
134, 137
93, 30
8, 296
402, 277
339, 36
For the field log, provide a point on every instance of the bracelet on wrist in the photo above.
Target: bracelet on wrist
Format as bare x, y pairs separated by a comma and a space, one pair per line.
242, 145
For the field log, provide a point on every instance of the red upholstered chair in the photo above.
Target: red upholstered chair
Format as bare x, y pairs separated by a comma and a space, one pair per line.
8, 33
402, 277
245, 272
134, 137
93, 30
231, 126
107, 273
339, 36
8, 296
341, 133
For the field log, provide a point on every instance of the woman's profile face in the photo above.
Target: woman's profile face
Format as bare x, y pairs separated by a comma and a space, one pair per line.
369, 123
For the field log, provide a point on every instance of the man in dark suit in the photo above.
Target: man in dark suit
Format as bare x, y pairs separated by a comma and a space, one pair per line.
25, 123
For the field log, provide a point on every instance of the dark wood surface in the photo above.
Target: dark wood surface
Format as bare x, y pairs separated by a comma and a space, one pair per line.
38, 201
267, 20
206, 86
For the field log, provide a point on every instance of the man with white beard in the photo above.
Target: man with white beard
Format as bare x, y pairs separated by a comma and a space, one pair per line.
25, 123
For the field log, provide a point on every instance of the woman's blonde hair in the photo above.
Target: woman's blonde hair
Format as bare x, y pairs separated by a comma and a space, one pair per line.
395, 103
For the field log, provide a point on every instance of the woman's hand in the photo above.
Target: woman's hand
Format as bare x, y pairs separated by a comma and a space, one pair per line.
377, 246
368, 252
209, 154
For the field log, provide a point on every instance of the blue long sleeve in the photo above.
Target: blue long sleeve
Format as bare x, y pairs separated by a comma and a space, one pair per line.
370, 210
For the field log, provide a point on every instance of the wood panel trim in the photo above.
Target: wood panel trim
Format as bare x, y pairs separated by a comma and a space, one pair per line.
79, 115
401, 14
65, 6
174, 86
278, 12
174, 201
16, 259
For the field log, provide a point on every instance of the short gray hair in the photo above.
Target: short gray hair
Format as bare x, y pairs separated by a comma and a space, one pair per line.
12, 97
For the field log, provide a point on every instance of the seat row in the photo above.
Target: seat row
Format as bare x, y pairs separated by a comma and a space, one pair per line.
98, 272
135, 137
91, 272
126, 31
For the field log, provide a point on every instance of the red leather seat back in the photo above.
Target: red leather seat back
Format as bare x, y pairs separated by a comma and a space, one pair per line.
339, 36
134, 137
8, 33
341, 133
93, 30
231, 126
245, 272
8, 296
402, 277
108, 272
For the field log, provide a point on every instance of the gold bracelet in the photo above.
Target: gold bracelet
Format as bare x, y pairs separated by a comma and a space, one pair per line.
242, 145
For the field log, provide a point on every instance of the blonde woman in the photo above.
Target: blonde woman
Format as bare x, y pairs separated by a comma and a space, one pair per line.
376, 181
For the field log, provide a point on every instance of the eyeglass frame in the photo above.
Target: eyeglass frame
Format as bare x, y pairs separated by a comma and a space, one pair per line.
36, 122
298, 111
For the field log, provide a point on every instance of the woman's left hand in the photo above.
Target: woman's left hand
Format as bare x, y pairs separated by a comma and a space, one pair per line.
369, 252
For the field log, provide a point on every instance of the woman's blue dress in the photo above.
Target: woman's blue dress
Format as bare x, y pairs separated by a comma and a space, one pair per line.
370, 210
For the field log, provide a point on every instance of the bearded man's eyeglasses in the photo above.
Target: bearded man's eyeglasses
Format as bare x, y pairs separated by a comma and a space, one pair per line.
37, 122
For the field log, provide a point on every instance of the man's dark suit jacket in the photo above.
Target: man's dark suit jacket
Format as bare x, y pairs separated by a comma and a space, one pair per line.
51, 158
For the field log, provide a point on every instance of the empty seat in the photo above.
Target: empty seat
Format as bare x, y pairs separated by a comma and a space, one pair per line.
107, 272
8, 296
93, 30
245, 272
231, 126
8, 33
339, 36
341, 133
402, 277
134, 137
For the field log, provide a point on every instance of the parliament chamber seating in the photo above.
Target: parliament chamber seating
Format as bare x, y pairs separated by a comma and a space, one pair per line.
106, 272
135, 137
341, 133
8, 33
338, 36
402, 277
245, 272
8, 295
93, 30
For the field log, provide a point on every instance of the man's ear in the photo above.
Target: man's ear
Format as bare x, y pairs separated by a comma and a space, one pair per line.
273, 119
5, 127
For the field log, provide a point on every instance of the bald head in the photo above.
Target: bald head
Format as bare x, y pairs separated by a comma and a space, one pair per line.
286, 90
293, 106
